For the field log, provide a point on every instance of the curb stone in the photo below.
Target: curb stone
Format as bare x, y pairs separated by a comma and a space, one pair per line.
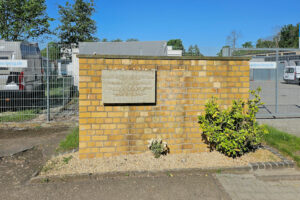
284, 163
97, 176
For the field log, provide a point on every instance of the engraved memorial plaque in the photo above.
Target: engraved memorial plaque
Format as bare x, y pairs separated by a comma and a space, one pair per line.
128, 86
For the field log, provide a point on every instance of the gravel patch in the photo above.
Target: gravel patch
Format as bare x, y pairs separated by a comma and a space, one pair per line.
71, 164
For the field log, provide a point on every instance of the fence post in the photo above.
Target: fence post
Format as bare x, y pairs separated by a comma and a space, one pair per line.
48, 88
63, 91
276, 84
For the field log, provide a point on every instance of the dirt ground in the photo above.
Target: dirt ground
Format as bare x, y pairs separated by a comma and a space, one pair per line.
28, 151
16, 170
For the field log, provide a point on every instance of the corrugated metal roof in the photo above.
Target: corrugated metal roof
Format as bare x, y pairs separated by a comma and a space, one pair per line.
19, 49
151, 48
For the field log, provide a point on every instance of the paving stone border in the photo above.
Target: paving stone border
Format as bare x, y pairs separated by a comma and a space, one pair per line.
125, 174
284, 163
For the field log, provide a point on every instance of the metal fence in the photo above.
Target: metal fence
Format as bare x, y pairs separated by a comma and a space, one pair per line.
37, 84
280, 90
40, 83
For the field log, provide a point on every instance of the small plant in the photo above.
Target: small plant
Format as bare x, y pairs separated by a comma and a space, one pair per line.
233, 131
45, 180
71, 141
49, 166
67, 159
158, 147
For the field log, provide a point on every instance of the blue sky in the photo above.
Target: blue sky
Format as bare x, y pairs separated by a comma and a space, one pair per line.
206, 23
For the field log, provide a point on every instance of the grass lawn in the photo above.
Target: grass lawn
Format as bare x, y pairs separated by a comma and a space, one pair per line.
57, 92
286, 143
19, 116
71, 141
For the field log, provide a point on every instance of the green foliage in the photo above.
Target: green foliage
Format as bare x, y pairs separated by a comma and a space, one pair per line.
23, 19
54, 51
67, 159
265, 44
250, 52
193, 51
158, 147
117, 40
76, 22
71, 141
176, 44
232, 131
19, 116
286, 143
132, 40
247, 45
289, 36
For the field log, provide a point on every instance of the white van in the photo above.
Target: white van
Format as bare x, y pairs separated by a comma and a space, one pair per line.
21, 73
292, 73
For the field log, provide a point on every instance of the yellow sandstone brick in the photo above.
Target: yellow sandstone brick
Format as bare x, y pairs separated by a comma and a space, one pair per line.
116, 137
121, 149
107, 149
82, 156
108, 126
92, 61
84, 138
115, 114
82, 61
99, 138
99, 114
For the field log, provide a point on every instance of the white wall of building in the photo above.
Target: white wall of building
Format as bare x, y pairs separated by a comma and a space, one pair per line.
172, 52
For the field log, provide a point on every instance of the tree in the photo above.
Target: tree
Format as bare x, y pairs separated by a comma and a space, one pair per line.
232, 38
76, 22
117, 40
265, 43
132, 40
247, 45
104, 40
289, 37
197, 51
23, 19
193, 51
176, 44
190, 51
54, 51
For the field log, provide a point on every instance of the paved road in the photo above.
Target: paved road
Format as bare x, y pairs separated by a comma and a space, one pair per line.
259, 186
263, 186
288, 98
288, 94
291, 125
196, 186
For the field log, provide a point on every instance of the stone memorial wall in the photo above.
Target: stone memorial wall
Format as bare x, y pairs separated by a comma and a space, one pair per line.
126, 101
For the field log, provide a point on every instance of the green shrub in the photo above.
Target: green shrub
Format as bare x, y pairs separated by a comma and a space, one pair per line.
233, 131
